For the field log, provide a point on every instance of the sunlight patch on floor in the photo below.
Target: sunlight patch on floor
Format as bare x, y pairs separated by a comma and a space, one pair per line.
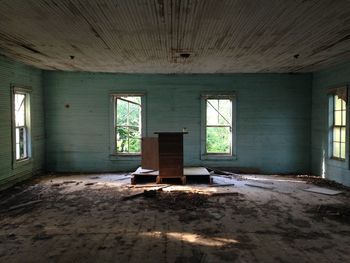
192, 238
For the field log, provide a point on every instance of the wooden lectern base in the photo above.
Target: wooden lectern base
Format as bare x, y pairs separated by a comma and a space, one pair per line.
159, 179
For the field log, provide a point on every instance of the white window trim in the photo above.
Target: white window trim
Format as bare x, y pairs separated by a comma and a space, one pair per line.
204, 154
125, 156
24, 90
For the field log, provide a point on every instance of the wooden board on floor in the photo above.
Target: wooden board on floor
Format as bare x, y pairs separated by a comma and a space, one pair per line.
321, 190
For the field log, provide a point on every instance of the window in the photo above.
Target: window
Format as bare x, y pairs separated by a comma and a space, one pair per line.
218, 125
21, 123
127, 124
338, 127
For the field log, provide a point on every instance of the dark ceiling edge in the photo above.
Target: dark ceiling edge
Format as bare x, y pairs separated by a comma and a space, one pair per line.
320, 68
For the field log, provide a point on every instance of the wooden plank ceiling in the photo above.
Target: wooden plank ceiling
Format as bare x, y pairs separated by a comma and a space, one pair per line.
178, 36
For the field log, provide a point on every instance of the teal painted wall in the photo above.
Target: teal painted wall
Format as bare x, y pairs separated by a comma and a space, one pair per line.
276, 124
273, 118
19, 74
321, 164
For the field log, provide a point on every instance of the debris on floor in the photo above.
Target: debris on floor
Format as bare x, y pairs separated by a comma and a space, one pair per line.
221, 185
319, 181
133, 195
121, 179
178, 200
90, 183
147, 185
177, 223
30, 203
260, 181
260, 186
69, 182
337, 212
324, 191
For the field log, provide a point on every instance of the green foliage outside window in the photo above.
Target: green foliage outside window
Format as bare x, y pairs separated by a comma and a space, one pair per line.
218, 140
218, 126
128, 124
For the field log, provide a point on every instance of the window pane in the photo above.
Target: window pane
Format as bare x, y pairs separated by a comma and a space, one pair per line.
134, 132
128, 140
218, 140
134, 118
128, 113
337, 103
336, 134
219, 112
122, 135
122, 112
22, 148
214, 103
336, 149
17, 144
225, 112
343, 134
134, 145
212, 112
21, 142
136, 99
343, 118
25, 145
342, 150
337, 118
19, 110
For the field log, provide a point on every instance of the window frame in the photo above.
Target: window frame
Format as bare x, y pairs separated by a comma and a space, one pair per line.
113, 97
220, 156
333, 125
15, 89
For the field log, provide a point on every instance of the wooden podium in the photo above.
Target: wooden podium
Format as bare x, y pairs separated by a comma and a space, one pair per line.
170, 152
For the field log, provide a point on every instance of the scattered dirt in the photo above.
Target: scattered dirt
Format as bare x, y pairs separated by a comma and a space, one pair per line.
90, 183
337, 212
20, 195
42, 236
177, 200
319, 181
298, 222
171, 226
291, 234
197, 257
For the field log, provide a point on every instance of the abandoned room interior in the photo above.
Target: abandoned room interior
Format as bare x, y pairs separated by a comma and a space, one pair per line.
177, 131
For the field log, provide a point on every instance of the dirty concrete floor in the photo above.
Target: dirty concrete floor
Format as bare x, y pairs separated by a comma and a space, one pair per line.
83, 218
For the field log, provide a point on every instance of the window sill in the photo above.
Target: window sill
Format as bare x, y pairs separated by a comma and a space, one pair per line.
125, 157
337, 159
21, 163
219, 157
